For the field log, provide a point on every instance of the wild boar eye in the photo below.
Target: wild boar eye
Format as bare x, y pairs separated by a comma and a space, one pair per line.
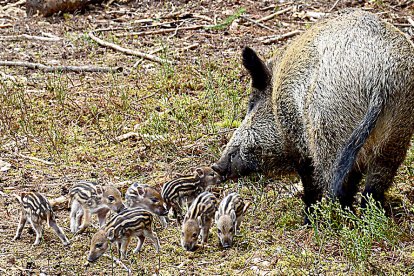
231, 230
111, 198
155, 200
99, 245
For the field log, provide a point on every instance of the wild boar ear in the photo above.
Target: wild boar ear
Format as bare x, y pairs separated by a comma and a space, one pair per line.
233, 216
200, 172
110, 234
141, 191
258, 70
217, 216
100, 190
246, 206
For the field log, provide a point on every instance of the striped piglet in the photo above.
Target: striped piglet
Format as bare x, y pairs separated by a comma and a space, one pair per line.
198, 218
36, 209
229, 217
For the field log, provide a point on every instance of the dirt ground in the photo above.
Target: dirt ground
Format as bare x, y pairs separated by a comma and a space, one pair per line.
60, 127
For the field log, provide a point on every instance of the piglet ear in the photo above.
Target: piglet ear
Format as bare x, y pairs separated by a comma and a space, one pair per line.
233, 216
217, 217
100, 190
258, 70
200, 172
110, 234
141, 191
246, 206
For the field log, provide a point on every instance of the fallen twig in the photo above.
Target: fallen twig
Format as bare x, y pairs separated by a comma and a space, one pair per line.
118, 261
163, 31
268, 17
28, 37
268, 8
411, 21
272, 39
151, 53
46, 68
334, 5
189, 47
257, 23
6, 26
35, 159
128, 51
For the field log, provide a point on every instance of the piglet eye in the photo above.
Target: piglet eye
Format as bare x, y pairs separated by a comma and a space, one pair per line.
111, 198
99, 245
182, 234
195, 235
154, 200
231, 230
219, 231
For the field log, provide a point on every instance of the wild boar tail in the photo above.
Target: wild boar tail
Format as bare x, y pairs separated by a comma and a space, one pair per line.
346, 158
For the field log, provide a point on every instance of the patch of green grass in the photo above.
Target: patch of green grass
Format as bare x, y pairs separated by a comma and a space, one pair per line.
226, 22
356, 234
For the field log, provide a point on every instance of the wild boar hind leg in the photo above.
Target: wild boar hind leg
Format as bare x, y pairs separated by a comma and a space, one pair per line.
382, 169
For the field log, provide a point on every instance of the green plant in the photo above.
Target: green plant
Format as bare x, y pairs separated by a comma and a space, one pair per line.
356, 234
226, 22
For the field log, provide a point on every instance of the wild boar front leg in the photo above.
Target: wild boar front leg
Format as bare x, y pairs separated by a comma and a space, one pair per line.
153, 237
164, 223
76, 214
102, 217
86, 220
237, 226
124, 246
205, 230
22, 223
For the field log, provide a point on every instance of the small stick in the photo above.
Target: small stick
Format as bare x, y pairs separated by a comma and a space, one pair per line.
334, 5
402, 24
257, 23
6, 26
268, 8
35, 159
411, 21
163, 31
190, 47
46, 68
273, 39
118, 261
151, 53
128, 51
28, 37
273, 15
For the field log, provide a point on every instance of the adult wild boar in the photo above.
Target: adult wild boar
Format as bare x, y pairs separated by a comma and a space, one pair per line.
334, 105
